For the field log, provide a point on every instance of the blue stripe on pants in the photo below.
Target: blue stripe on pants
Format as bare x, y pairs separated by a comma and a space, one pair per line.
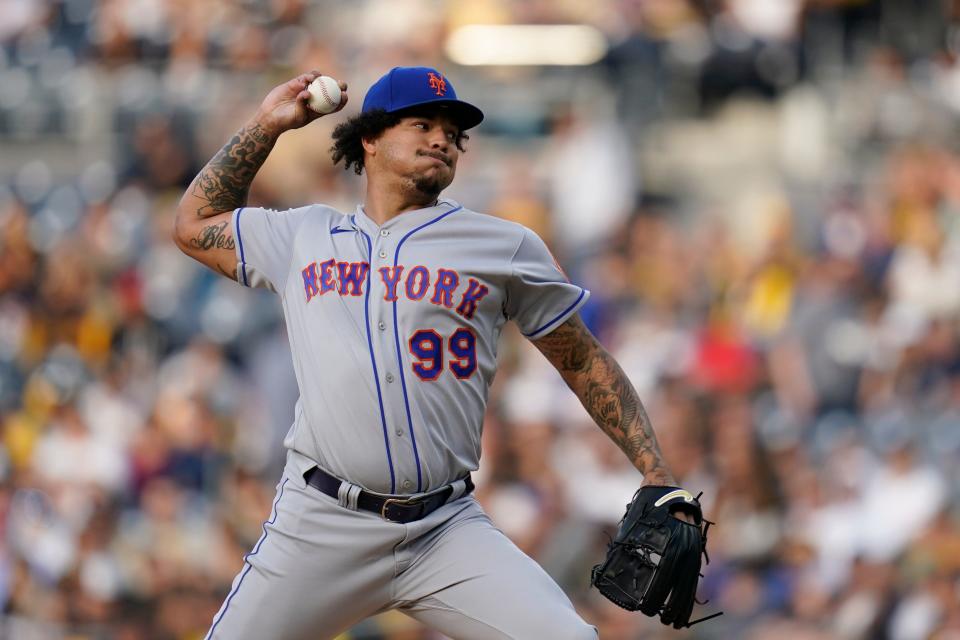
246, 558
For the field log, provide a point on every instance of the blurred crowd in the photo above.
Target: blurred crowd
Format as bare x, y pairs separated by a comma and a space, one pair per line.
763, 197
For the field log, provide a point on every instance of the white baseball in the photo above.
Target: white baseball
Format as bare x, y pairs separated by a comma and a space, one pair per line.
324, 94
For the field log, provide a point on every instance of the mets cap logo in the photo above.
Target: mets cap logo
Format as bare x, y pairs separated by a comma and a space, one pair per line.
437, 83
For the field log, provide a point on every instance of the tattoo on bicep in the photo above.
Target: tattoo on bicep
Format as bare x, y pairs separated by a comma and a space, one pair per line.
566, 346
230, 274
213, 237
225, 182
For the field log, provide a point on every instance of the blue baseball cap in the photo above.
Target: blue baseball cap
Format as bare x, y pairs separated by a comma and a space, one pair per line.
405, 87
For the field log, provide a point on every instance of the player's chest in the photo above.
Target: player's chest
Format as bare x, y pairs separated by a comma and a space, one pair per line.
358, 273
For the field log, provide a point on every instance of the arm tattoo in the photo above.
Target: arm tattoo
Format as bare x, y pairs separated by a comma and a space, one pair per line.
231, 274
225, 182
606, 393
213, 237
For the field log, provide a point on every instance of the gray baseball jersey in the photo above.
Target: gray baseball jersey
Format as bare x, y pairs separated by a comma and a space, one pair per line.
394, 330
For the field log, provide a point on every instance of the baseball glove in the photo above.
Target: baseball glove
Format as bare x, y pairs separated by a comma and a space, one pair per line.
653, 563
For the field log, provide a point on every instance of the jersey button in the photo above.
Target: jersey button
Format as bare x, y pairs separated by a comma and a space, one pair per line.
383, 254
382, 326
399, 433
384, 232
389, 377
407, 484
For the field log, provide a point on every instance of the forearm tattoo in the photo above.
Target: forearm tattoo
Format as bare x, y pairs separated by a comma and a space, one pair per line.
606, 393
225, 182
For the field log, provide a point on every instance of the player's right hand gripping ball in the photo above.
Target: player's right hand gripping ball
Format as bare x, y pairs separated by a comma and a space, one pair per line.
325, 95
653, 564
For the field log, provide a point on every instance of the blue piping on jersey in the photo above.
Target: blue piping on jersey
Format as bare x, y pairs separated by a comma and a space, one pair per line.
396, 334
339, 230
243, 262
583, 292
373, 361
246, 559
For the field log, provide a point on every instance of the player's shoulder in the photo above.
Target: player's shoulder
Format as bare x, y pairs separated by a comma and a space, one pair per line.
325, 215
320, 214
500, 226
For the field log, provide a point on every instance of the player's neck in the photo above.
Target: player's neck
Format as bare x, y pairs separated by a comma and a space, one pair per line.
382, 205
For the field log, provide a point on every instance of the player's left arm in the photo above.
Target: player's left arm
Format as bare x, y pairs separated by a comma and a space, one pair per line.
607, 395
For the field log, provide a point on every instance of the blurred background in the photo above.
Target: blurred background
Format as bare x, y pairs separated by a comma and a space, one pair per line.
762, 195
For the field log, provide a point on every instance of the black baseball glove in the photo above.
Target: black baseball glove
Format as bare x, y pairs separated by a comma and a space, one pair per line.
653, 564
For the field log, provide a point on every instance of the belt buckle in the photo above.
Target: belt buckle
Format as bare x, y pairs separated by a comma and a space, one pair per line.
405, 502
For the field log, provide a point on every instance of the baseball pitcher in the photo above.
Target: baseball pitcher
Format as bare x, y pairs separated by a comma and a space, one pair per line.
393, 312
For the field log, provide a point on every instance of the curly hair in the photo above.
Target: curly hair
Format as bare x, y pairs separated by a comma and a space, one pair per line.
348, 136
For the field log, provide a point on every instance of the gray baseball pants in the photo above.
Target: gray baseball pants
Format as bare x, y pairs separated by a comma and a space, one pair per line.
319, 568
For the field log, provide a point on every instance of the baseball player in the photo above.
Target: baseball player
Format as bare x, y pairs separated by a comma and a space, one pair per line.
393, 313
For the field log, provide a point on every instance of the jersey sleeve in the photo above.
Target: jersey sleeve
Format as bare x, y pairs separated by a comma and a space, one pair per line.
265, 244
539, 296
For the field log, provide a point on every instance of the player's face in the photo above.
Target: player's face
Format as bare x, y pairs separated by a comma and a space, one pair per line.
422, 150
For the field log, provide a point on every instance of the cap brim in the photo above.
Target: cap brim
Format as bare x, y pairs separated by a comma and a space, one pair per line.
466, 115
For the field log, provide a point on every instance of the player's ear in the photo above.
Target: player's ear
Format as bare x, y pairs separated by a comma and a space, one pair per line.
369, 145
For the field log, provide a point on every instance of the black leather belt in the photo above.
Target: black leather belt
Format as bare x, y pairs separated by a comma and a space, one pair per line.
402, 509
